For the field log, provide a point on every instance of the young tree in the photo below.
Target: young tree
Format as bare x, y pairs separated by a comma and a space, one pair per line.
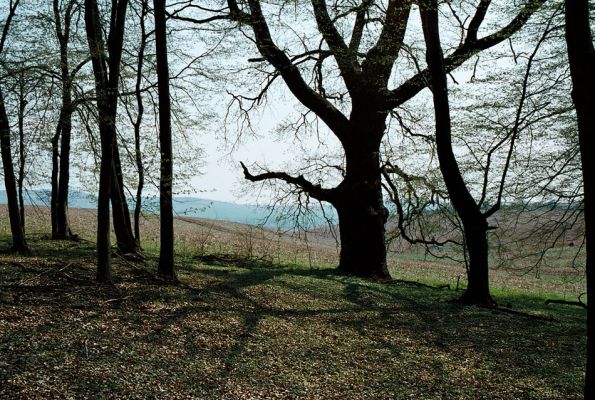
19, 244
106, 87
166, 250
475, 224
581, 58
63, 21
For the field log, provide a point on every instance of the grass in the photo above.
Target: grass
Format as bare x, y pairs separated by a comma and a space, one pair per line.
239, 327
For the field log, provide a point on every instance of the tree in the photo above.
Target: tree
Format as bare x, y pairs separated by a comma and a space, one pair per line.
19, 244
166, 250
106, 86
365, 65
473, 218
63, 20
581, 58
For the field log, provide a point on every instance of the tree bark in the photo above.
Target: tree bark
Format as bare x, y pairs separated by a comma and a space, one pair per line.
137, 124
474, 222
61, 157
106, 87
120, 212
581, 57
166, 251
19, 244
361, 227
359, 204
98, 58
22, 155
478, 287
54, 181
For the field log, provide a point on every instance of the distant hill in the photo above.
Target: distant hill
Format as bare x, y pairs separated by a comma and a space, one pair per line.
189, 206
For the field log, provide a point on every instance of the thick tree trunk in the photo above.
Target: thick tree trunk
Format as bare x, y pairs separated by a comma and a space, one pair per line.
166, 250
581, 56
478, 283
19, 244
359, 204
361, 226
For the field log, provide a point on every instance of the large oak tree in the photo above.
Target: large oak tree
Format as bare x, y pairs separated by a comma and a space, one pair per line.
366, 57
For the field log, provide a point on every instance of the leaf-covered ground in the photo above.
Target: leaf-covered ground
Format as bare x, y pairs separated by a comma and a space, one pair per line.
236, 329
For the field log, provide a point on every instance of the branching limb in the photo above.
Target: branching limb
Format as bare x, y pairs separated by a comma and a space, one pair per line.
470, 47
313, 190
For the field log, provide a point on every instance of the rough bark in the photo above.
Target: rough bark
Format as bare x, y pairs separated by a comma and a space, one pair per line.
359, 203
361, 228
581, 57
166, 250
474, 222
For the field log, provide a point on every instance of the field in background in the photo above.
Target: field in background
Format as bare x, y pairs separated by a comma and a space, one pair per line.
556, 278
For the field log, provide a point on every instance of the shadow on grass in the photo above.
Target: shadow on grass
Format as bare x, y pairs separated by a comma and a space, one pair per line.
246, 323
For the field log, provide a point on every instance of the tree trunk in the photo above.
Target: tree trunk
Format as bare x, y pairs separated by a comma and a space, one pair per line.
166, 250
581, 56
61, 167
54, 182
478, 283
61, 200
137, 124
474, 222
22, 156
98, 58
359, 204
121, 214
363, 247
19, 244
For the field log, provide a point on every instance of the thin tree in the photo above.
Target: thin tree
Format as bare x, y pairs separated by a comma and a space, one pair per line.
106, 86
19, 244
63, 21
581, 58
166, 251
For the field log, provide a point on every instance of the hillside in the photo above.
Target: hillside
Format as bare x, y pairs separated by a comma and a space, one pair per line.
190, 207
241, 328
261, 314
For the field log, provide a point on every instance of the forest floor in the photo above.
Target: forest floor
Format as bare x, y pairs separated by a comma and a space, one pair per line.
244, 327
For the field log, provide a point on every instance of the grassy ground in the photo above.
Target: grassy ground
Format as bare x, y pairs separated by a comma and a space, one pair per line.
240, 327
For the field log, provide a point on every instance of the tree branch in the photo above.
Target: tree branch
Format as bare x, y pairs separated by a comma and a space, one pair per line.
467, 50
314, 190
346, 58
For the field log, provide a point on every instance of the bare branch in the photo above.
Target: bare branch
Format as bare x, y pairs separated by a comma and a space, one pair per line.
314, 190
